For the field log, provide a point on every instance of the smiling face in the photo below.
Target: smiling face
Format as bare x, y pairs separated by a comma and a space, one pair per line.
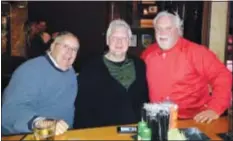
118, 41
166, 32
64, 51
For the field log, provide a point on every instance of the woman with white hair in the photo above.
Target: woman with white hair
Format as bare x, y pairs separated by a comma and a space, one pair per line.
112, 87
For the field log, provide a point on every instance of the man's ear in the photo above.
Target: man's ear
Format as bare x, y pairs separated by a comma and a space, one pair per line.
107, 41
52, 47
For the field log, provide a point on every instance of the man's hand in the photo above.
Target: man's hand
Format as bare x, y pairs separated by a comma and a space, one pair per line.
61, 127
206, 116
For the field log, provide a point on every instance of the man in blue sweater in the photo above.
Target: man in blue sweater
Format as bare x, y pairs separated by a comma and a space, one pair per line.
43, 87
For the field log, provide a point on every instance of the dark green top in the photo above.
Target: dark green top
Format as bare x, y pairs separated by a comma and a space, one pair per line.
123, 72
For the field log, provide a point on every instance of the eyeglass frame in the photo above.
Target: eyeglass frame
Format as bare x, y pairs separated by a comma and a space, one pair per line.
65, 46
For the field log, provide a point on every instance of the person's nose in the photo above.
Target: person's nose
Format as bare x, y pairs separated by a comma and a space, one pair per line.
163, 32
69, 50
119, 41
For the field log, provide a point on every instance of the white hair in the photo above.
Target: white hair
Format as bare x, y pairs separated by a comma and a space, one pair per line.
60, 37
175, 18
118, 23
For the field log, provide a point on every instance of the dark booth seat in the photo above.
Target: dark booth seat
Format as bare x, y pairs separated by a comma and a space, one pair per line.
8, 66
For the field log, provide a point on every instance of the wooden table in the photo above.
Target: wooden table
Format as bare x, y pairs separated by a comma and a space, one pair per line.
109, 133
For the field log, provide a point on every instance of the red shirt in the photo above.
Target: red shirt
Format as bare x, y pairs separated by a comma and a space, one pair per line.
184, 73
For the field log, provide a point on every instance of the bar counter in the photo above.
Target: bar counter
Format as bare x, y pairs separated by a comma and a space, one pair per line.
110, 132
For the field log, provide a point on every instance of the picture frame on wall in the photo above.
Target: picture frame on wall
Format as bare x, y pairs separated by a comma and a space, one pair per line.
133, 41
146, 40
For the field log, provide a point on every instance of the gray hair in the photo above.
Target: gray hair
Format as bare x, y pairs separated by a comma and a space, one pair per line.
118, 23
63, 34
175, 18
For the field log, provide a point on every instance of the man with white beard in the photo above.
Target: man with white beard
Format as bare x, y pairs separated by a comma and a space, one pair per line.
182, 71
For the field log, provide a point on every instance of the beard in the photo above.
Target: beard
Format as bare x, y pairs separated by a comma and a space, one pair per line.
164, 42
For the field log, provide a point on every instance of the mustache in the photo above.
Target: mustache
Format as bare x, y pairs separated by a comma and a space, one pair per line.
162, 36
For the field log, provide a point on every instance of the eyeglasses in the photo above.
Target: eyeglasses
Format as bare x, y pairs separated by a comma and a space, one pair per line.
68, 47
115, 39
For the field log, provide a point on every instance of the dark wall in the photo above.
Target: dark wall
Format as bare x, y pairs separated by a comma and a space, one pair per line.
88, 20
193, 21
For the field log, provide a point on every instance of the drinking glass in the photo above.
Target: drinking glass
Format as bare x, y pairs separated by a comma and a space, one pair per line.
44, 129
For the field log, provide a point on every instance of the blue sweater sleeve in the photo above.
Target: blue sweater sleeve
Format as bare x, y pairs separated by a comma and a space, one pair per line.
18, 100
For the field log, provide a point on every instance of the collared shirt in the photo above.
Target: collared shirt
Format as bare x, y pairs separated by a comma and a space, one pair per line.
183, 73
53, 61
